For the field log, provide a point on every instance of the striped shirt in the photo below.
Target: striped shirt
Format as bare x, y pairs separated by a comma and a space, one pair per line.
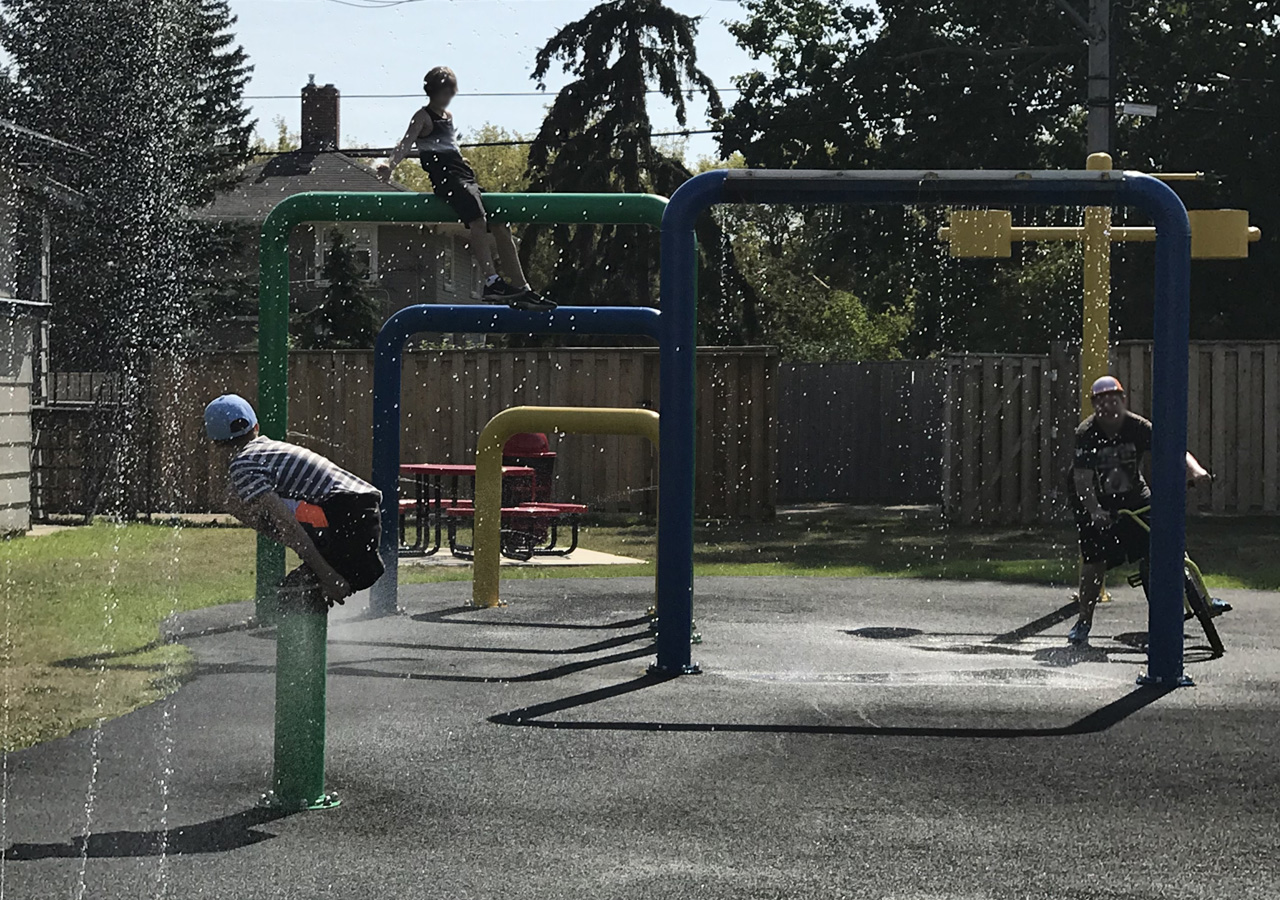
292, 472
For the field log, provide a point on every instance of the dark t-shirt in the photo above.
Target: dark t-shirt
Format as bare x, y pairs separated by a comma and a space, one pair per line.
1116, 461
440, 154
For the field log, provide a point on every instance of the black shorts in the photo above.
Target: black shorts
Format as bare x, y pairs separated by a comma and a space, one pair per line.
463, 195
350, 541
1124, 542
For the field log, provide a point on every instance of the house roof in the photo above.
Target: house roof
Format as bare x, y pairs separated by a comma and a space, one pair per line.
264, 185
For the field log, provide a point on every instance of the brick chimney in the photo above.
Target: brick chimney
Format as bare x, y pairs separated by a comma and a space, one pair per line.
320, 116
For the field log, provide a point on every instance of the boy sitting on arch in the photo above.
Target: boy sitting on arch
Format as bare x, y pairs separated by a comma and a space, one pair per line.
454, 181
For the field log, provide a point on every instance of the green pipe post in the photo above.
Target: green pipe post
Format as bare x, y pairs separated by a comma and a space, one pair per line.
301, 647
269, 571
349, 206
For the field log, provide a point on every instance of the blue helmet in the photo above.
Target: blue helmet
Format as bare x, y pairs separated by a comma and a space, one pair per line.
229, 417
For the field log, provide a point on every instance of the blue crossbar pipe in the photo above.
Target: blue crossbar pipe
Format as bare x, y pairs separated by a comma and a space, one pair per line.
472, 319
1172, 315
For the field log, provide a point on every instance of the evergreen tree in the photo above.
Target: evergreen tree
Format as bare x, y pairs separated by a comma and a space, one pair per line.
152, 93
222, 132
347, 318
598, 137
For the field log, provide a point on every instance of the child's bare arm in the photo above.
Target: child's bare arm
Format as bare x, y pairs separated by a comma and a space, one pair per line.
268, 515
419, 126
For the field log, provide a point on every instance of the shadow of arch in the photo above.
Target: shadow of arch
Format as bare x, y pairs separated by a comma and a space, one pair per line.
215, 836
534, 717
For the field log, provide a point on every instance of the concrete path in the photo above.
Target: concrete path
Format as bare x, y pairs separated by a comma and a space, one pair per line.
848, 738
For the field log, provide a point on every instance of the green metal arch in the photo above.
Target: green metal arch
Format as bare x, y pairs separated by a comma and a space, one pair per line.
392, 208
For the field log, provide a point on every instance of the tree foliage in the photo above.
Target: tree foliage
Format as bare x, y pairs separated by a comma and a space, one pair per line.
598, 136
1001, 84
347, 317
152, 95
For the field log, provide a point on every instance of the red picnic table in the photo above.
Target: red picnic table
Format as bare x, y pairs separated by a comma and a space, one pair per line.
429, 501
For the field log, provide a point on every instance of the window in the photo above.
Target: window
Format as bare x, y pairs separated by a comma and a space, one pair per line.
363, 240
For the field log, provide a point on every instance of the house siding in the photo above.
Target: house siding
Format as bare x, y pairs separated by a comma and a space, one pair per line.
16, 337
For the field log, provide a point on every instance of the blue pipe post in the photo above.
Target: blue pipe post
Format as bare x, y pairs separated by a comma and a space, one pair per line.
1172, 329
469, 319
1173, 254
678, 427
388, 355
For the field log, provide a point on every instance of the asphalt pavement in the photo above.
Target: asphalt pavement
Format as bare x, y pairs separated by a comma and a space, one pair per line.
847, 738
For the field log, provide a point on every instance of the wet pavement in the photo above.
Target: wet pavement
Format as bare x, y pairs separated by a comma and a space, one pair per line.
847, 738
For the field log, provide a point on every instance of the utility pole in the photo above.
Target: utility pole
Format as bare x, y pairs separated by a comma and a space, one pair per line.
1101, 104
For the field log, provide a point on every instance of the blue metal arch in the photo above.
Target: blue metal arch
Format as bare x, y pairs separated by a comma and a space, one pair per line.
470, 319
1172, 312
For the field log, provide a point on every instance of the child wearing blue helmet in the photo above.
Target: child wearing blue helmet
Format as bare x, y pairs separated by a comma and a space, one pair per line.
322, 512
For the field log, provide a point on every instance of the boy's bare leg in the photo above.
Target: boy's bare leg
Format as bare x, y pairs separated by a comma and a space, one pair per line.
481, 249
1092, 576
508, 254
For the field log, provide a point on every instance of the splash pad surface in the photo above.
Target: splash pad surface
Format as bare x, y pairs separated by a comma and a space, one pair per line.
849, 737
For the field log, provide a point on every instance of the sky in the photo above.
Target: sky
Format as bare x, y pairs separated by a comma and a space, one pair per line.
489, 43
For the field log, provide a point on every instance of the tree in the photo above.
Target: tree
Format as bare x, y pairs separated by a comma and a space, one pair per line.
221, 130
598, 136
286, 141
999, 84
347, 317
153, 94
1211, 67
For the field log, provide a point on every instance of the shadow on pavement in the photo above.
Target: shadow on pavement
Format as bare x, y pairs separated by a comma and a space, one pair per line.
446, 617
1044, 623
532, 717
364, 668
1133, 643
215, 836
595, 647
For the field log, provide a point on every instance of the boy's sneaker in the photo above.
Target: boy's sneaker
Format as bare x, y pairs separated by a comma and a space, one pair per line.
1079, 634
498, 291
531, 300
1218, 607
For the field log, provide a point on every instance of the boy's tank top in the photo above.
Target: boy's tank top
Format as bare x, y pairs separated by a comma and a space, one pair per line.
439, 152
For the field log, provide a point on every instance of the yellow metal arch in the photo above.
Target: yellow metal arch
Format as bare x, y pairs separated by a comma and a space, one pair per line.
518, 419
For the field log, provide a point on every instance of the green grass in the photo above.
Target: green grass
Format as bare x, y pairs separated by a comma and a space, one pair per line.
81, 608
846, 543
1234, 552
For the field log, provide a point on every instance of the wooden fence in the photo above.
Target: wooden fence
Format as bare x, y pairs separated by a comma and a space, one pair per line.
860, 432
448, 397
1008, 428
987, 436
1233, 418
1011, 423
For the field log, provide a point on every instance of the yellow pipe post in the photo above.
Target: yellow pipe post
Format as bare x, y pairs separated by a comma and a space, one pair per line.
1095, 342
518, 419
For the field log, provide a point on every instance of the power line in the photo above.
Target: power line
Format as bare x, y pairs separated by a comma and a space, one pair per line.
545, 94
368, 152
388, 4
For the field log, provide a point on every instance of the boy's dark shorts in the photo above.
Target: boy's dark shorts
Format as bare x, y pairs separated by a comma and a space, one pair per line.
463, 195
1124, 542
350, 540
